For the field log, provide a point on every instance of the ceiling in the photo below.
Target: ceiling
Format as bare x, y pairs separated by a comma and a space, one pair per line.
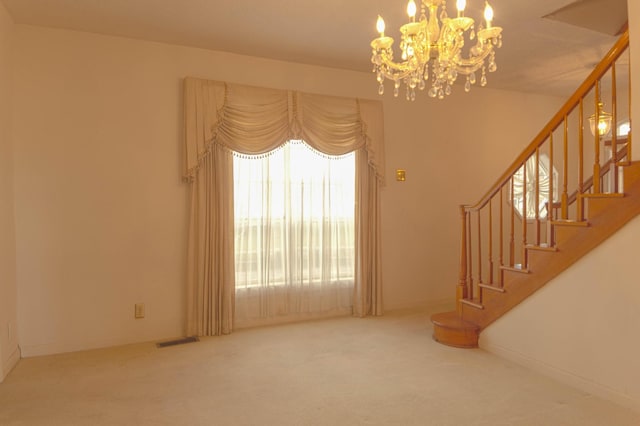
549, 45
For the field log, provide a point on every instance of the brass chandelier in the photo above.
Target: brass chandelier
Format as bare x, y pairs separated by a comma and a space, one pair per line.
432, 50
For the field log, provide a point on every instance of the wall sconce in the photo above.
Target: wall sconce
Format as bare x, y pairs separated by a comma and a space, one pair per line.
604, 121
400, 175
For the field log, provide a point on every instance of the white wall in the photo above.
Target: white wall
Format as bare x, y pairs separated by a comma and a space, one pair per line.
101, 212
9, 353
453, 151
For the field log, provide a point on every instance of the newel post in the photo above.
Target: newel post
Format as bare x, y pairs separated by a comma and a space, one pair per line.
461, 289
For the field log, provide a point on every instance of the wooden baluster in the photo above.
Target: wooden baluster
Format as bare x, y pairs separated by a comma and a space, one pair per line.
479, 281
537, 200
565, 167
596, 163
579, 200
551, 211
490, 242
525, 216
471, 289
479, 248
501, 260
461, 290
629, 144
512, 248
613, 168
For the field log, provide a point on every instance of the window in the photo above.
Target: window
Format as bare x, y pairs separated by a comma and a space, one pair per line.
294, 226
624, 129
519, 189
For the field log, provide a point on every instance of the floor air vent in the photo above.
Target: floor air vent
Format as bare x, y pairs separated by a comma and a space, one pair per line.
177, 342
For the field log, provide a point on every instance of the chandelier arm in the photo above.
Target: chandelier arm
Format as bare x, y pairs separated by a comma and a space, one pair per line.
466, 66
453, 43
395, 70
401, 69
396, 76
467, 69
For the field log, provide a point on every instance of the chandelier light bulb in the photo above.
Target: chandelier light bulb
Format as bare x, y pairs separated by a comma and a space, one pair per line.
412, 9
380, 26
460, 5
488, 14
602, 127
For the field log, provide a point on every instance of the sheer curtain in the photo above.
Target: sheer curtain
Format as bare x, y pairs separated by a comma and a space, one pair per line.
294, 235
221, 118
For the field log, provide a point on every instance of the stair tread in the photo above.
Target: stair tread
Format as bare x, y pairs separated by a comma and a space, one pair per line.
604, 195
541, 247
452, 320
567, 222
515, 268
475, 303
492, 287
450, 329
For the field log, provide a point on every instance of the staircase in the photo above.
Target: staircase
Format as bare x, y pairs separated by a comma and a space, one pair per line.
543, 215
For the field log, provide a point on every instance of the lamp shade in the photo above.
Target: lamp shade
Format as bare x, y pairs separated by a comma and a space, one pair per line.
604, 121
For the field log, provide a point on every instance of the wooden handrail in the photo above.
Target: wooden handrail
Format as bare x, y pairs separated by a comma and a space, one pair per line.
558, 119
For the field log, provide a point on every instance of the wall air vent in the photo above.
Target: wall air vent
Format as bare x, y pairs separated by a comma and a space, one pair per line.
177, 342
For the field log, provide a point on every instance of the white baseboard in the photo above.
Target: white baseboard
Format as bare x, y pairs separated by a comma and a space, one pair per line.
10, 363
563, 376
29, 351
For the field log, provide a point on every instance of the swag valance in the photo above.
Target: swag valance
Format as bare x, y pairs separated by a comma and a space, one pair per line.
253, 120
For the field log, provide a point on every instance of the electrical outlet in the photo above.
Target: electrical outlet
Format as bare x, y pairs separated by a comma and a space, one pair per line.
139, 310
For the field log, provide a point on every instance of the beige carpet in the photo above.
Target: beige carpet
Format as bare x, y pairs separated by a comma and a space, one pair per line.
375, 371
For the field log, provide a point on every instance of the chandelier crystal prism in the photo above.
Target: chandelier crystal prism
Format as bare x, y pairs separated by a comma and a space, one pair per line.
433, 48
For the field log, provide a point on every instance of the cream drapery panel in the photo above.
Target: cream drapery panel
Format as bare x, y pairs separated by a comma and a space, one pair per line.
222, 117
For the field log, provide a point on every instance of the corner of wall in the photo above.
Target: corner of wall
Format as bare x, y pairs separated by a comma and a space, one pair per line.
559, 374
634, 41
10, 363
9, 350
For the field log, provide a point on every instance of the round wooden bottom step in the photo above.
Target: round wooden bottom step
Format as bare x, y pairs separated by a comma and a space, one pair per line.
449, 329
